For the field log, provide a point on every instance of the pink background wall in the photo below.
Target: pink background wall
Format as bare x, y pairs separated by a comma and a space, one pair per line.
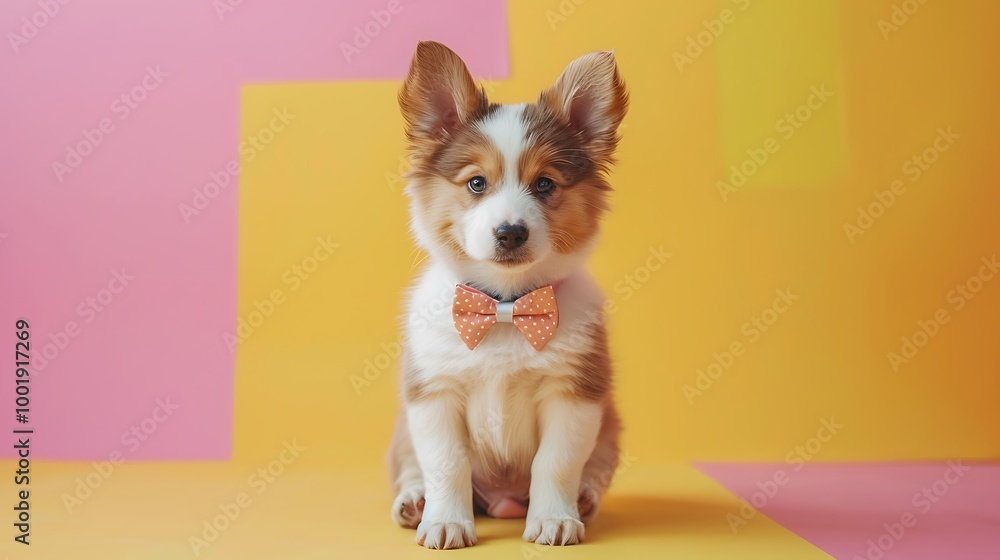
64, 234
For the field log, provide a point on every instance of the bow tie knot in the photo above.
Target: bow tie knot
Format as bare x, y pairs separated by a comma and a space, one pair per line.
535, 314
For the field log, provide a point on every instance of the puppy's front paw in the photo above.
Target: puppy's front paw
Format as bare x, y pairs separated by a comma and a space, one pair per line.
457, 534
408, 507
556, 531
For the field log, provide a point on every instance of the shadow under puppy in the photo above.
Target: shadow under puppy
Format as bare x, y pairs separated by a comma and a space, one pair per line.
507, 391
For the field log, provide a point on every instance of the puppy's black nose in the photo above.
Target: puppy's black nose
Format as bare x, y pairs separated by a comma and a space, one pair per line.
511, 236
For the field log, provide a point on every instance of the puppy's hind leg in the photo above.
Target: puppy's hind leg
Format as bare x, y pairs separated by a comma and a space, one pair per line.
601, 466
407, 479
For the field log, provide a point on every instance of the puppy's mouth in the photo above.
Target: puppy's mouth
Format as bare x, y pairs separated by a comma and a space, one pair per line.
512, 259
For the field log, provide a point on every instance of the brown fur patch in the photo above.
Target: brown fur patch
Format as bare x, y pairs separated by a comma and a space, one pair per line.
592, 381
439, 205
442, 204
573, 214
438, 98
469, 155
440, 182
590, 96
574, 207
601, 466
554, 149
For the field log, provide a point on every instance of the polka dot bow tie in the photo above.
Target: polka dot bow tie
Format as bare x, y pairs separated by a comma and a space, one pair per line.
535, 314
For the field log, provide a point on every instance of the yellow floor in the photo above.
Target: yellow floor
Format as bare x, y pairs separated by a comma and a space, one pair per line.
151, 511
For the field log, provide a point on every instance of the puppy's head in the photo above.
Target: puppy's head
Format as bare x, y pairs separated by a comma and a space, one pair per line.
509, 186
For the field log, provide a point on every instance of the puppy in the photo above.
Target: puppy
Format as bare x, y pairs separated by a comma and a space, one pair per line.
506, 381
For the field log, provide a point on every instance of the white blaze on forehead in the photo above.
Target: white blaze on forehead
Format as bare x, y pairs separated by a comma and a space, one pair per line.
508, 132
508, 201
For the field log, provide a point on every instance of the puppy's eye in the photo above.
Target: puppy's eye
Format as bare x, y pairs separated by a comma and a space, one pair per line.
477, 184
544, 185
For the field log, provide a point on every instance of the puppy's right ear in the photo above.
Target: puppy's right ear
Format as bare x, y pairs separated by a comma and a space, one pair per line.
438, 94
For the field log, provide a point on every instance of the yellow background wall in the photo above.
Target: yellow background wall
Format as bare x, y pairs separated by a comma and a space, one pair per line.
333, 172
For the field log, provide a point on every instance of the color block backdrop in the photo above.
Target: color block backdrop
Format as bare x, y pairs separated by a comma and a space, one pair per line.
122, 158
804, 226
201, 216
804, 234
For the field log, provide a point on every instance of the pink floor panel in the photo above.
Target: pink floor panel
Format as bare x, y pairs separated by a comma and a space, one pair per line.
900, 511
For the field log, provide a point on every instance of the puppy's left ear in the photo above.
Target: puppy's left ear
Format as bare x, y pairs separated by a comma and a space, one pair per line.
591, 96
438, 94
